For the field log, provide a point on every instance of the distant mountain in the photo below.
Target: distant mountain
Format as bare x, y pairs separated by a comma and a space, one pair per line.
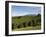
31, 15
27, 15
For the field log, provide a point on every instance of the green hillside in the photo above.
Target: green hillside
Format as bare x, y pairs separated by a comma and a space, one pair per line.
26, 22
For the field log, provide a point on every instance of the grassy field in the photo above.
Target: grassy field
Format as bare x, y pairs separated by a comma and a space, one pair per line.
27, 22
28, 28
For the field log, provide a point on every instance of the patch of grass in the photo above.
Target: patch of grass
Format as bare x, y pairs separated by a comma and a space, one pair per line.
28, 28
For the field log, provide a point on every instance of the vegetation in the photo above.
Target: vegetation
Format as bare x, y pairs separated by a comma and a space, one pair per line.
27, 22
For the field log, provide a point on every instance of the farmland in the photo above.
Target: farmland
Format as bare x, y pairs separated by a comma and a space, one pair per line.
27, 22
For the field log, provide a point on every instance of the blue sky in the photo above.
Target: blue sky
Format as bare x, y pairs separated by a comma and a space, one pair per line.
25, 10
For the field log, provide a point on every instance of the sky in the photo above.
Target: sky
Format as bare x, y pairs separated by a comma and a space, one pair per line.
25, 10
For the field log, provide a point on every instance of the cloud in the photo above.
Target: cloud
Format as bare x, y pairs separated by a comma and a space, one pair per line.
19, 14
23, 13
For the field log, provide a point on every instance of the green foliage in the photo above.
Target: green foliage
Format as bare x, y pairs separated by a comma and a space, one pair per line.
26, 21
